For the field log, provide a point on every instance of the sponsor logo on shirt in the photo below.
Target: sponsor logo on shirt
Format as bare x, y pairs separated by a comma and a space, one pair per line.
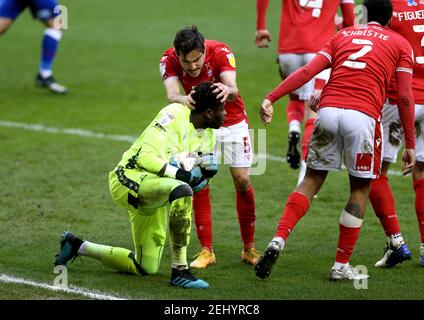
167, 118
231, 60
363, 161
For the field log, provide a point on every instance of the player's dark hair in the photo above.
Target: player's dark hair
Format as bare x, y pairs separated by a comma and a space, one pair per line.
205, 98
188, 39
379, 10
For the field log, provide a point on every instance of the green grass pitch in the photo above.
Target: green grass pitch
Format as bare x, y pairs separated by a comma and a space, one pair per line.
52, 181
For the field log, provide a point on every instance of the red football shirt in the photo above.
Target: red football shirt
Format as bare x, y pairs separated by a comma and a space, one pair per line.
218, 59
409, 22
305, 25
363, 62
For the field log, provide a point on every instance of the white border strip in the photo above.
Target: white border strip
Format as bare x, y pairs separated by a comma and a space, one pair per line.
91, 134
72, 289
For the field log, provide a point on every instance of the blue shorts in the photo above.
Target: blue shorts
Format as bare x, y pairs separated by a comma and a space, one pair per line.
40, 9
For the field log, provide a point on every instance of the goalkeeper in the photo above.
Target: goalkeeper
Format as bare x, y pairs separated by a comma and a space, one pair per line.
158, 194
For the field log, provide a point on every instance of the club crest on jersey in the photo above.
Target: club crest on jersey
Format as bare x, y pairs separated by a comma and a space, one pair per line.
209, 70
231, 60
412, 3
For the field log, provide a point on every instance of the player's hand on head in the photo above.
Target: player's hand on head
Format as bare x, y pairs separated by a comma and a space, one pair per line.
314, 100
222, 90
266, 111
189, 101
262, 37
408, 161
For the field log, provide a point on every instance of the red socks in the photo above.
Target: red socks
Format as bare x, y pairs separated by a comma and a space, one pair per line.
202, 217
245, 203
296, 206
419, 205
347, 240
295, 110
350, 228
381, 198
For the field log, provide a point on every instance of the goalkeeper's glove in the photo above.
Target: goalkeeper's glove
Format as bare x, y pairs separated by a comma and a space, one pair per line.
192, 177
208, 164
200, 185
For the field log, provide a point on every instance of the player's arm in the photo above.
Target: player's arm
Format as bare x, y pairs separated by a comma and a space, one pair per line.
154, 144
173, 93
348, 13
228, 87
262, 36
157, 141
294, 81
406, 107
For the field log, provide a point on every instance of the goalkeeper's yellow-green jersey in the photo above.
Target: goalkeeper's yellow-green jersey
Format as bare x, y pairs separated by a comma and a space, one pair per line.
169, 134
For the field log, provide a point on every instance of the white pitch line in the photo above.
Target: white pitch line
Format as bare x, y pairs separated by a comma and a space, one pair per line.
91, 134
72, 289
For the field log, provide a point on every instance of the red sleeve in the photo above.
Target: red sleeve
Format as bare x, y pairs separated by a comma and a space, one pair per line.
224, 59
169, 66
348, 12
261, 7
300, 77
406, 107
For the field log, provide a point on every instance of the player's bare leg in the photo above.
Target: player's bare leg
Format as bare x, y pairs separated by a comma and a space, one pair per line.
245, 203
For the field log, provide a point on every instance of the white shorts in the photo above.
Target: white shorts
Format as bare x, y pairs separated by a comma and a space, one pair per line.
340, 131
393, 132
234, 146
289, 63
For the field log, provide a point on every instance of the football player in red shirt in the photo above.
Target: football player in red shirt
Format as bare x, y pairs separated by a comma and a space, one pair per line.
191, 61
363, 61
305, 27
407, 20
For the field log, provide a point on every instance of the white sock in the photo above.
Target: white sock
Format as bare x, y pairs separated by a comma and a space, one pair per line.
280, 242
302, 172
294, 126
82, 251
396, 240
338, 265
45, 73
